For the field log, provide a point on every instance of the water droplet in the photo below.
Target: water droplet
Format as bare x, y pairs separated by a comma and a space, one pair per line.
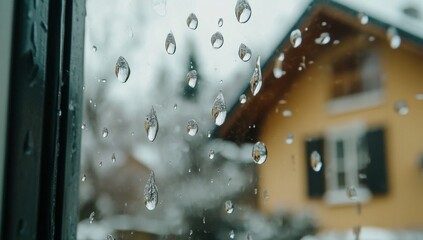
242, 99
84, 177
94, 48
244, 52
159, 6
170, 44
266, 195
208, 134
151, 193
419, 96
286, 113
259, 153
204, 220
323, 39
110, 237
231, 234
217, 40
278, 72
229, 207
151, 125
324, 24
336, 42
249, 236
175, 106
364, 19
192, 78
289, 139
316, 161
242, 11
255, 191
219, 110
220, 22
91, 218
256, 79
372, 38
192, 21
105, 133
28, 146
357, 231
192, 127
352, 193
211, 154
393, 38
122, 70
296, 38
100, 164
401, 107
113, 158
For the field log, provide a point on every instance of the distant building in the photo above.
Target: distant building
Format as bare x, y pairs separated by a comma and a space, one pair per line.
349, 96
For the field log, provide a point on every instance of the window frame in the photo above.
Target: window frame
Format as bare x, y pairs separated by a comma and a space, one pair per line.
44, 111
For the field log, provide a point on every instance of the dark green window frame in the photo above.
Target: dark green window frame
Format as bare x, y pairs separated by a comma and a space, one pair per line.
43, 123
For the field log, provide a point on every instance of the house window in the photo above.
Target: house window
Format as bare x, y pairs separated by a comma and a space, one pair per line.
347, 161
355, 82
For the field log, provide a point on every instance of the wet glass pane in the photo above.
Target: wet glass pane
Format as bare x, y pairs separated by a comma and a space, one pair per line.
207, 120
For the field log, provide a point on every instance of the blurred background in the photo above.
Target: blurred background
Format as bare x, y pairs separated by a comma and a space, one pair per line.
339, 107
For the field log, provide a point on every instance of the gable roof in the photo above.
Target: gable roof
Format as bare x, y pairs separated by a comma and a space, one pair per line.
340, 22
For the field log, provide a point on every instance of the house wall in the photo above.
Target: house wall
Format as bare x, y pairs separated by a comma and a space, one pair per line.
284, 176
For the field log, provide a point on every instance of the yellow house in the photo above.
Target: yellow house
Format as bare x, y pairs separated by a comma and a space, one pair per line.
348, 97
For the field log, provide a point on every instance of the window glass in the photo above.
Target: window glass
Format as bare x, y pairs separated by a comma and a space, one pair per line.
214, 119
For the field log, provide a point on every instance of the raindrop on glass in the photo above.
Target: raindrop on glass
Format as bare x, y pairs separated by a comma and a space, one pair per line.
94, 48
219, 109
217, 40
401, 107
356, 232
242, 99
151, 125
286, 113
244, 52
419, 96
211, 154
352, 193
100, 164
170, 44
110, 237
192, 21
204, 220
151, 193
278, 72
122, 70
91, 218
266, 195
296, 38
229, 206
209, 134
256, 79
192, 78
316, 161
323, 39
259, 153
84, 177
242, 11
364, 19
231, 234
324, 24
249, 236
105, 133
220, 22
289, 139
113, 158
175, 106
192, 127
28, 146
393, 38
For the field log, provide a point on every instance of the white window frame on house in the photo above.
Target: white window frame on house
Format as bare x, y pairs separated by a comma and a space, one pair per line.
352, 158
